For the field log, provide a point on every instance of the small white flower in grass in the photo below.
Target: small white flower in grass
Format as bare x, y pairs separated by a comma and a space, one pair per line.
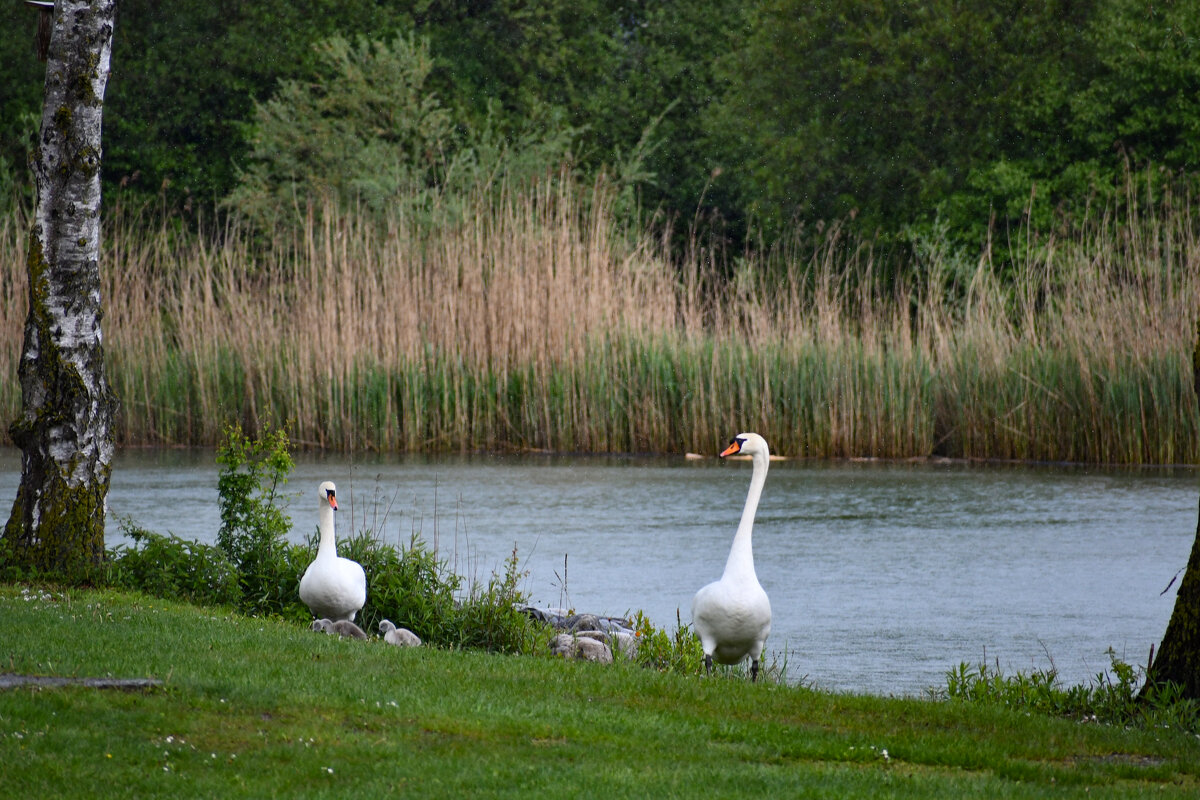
884, 753
329, 770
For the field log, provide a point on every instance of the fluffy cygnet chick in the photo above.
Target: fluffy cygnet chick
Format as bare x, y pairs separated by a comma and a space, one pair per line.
343, 627
401, 637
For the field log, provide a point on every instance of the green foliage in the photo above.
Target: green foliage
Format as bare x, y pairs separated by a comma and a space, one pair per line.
1112, 698
876, 110
185, 76
679, 652
253, 526
409, 586
488, 617
414, 589
22, 78
173, 568
977, 111
366, 130
754, 116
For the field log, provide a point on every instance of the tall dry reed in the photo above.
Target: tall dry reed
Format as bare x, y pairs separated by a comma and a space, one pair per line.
540, 323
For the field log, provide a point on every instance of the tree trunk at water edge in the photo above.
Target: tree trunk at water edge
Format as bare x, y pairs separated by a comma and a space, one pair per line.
1178, 659
56, 528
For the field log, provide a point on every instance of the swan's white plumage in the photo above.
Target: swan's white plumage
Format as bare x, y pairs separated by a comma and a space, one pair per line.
732, 616
332, 587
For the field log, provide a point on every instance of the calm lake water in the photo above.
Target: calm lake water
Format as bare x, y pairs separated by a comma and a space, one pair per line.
881, 576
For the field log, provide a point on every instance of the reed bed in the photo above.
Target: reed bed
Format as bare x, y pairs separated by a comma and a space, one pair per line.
540, 323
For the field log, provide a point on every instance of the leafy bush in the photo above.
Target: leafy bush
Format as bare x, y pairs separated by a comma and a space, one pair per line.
254, 568
253, 526
408, 586
668, 652
1113, 696
174, 568
488, 617
413, 589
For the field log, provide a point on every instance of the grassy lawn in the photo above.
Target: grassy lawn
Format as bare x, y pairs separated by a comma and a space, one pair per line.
261, 708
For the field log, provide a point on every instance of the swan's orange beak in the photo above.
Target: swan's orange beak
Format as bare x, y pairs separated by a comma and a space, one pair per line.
332, 501
734, 447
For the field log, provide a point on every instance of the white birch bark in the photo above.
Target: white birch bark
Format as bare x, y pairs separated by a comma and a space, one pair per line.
65, 427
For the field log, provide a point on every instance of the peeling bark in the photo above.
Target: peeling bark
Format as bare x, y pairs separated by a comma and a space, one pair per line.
65, 428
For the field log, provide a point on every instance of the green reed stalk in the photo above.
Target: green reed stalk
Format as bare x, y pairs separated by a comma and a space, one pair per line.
538, 323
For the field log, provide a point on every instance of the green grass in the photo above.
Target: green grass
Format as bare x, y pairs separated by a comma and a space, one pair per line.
262, 708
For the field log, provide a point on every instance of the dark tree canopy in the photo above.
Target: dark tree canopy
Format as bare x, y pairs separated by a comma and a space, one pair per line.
761, 113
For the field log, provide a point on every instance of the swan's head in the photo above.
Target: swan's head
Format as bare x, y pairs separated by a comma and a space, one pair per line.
748, 444
328, 493
386, 626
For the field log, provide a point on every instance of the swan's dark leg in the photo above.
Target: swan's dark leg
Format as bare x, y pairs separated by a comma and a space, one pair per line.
707, 664
754, 670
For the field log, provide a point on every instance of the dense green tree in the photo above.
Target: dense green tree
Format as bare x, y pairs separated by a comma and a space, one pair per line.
186, 77
1125, 94
21, 79
878, 109
890, 112
629, 75
365, 129
895, 112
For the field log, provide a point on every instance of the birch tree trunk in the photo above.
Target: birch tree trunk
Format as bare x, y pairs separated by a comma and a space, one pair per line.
65, 427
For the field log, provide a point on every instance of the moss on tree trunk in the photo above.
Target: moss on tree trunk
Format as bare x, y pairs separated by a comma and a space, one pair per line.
65, 428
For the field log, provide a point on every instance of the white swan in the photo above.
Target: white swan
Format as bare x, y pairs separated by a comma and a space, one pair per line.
732, 616
332, 587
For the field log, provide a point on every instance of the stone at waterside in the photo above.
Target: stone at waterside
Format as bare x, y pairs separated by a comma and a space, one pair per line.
583, 632
574, 623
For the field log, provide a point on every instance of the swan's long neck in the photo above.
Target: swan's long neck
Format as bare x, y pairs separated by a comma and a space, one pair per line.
741, 555
328, 545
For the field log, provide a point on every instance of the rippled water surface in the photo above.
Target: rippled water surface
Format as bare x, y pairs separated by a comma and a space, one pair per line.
881, 576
